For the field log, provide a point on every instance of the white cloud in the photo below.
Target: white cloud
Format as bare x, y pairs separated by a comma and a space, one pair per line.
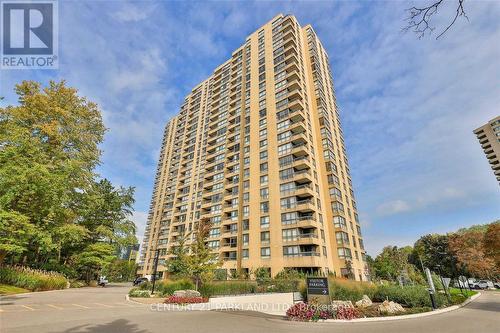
130, 13
393, 207
140, 219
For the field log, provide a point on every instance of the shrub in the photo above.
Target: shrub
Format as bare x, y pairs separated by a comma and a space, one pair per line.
289, 273
344, 312
280, 286
218, 288
185, 300
135, 292
409, 296
32, 279
262, 274
348, 290
146, 285
307, 312
77, 284
167, 287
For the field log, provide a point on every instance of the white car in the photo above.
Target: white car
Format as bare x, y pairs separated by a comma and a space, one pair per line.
483, 284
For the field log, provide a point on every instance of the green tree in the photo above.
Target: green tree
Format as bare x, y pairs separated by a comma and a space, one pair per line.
393, 262
195, 260
105, 213
433, 251
93, 259
54, 211
202, 260
49, 150
15, 232
177, 265
121, 270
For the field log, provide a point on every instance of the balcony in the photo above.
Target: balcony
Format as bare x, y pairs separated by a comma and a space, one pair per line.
304, 190
300, 149
302, 206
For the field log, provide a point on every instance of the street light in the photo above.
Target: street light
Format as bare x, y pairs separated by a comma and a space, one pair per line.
155, 268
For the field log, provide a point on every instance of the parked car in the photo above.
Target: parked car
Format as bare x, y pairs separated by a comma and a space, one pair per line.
139, 281
496, 285
482, 284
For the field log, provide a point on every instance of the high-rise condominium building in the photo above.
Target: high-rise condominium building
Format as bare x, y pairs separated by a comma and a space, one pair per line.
257, 149
489, 138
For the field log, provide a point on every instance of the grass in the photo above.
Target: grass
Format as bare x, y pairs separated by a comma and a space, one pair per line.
32, 279
6, 289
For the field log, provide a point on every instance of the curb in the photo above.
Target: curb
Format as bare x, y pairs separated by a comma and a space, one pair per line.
35, 292
127, 298
410, 316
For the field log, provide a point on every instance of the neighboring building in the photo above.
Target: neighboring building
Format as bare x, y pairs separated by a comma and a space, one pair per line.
129, 253
258, 149
489, 138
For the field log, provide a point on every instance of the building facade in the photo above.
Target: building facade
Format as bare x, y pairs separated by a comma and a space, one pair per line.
257, 149
489, 139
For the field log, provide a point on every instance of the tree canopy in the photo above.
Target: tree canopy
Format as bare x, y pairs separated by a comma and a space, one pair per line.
54, 207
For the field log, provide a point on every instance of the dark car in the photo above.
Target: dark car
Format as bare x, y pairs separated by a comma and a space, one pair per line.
140, 280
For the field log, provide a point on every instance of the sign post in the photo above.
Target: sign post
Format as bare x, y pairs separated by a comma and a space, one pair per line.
446, 282
317, 287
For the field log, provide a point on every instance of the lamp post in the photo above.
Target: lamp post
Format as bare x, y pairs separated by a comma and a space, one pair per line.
155, 268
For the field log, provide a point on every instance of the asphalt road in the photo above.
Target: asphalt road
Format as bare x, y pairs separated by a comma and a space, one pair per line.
106, 310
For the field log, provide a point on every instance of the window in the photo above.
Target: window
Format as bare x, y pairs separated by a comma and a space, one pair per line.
246, 211
245, 239
214, 245
339, 222
286, 173
291, 251
214, 232
263, 143
287, 187
264, 193
265, 252
215, 209
284, 149
264, 207
290, 234
244, 254
263, 167
264, 180
344, 253
288, 218
263, 155
265, 237
264, 222
342, 238
287, 203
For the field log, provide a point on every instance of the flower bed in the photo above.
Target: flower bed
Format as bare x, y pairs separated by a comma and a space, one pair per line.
185, 300
313, 312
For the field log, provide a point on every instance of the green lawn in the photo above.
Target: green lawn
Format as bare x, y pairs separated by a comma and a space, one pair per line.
466, 293
5, 289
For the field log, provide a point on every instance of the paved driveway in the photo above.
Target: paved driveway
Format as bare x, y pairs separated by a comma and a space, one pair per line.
106, 310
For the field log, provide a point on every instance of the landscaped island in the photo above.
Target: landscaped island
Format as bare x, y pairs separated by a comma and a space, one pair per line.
350, 299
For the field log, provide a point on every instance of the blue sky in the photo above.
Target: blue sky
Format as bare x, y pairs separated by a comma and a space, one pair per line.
408, 106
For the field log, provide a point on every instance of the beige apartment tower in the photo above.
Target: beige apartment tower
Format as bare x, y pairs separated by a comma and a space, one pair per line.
489, 139
258, 150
